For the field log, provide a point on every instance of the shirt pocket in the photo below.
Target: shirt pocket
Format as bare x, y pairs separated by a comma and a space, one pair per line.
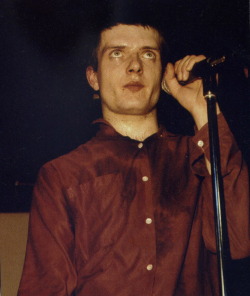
99, 220
100, 211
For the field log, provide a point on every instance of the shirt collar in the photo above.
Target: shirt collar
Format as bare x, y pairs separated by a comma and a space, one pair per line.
106, 130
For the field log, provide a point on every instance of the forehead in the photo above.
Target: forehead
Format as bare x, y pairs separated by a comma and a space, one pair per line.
130, 35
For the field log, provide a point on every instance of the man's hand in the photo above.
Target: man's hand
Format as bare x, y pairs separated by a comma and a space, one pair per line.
189, 96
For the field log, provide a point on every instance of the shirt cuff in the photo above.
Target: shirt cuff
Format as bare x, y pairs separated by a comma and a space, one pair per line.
200, 144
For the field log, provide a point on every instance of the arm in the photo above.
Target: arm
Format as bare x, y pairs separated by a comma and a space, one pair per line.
49, 263
233, 167
236, 190
189, 96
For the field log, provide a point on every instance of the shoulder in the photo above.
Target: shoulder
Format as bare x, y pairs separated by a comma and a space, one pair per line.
72, 167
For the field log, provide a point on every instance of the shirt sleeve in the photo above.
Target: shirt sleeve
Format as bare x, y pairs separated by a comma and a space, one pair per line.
236, 190
49, 263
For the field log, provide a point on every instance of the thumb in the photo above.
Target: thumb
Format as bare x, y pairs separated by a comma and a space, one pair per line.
170, 78
169, 72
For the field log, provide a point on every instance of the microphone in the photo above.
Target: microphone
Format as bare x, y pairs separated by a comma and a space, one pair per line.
204, 69
236, 59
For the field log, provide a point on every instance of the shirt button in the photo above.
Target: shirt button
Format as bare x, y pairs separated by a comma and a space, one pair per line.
200, 143
149, 267
144, 178
140, 145
148, 221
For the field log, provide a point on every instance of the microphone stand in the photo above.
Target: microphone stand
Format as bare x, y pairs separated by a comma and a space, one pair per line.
222, 242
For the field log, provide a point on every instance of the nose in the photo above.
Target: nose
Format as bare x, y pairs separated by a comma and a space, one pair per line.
135, 65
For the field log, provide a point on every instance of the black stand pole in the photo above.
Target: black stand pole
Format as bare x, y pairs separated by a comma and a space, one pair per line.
222, 244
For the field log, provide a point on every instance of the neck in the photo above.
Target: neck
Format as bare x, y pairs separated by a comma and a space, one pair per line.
137, 127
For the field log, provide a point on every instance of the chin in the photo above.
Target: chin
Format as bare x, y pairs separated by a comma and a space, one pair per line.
136, 110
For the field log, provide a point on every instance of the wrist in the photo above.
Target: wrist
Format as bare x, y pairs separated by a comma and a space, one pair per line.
199, 114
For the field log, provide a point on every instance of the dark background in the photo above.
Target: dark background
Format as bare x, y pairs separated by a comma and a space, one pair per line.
47, 107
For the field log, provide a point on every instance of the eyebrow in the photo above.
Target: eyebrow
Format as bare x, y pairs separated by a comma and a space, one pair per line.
113, 47
151, 47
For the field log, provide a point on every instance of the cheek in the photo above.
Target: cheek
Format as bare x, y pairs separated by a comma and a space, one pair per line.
110, 85
156, 79
109, 75
153, 70
159, 72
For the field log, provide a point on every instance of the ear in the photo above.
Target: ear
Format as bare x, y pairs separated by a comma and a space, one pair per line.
91, 75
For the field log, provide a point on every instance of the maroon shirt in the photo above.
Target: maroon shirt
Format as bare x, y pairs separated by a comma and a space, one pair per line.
117, 217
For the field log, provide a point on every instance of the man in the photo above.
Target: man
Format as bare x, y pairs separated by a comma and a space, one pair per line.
130, 212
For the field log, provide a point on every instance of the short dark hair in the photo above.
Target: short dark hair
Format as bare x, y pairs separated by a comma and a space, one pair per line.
124, 14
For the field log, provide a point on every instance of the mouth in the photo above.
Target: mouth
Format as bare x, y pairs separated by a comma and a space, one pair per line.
133, 86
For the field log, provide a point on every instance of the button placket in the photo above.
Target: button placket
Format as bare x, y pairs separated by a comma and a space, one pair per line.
148, 221
200, 143
149, 231
149, 267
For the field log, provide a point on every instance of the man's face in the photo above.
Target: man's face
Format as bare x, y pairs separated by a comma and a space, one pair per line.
129, 70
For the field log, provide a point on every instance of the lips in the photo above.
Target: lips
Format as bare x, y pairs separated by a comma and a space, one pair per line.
134, 86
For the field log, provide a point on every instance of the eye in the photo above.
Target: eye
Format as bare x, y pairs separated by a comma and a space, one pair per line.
116, 54
149, 55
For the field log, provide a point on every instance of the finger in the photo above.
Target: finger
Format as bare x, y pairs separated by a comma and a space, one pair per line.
193, 60
170, 79
187, 66
169, 73
176, 65
180, 67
